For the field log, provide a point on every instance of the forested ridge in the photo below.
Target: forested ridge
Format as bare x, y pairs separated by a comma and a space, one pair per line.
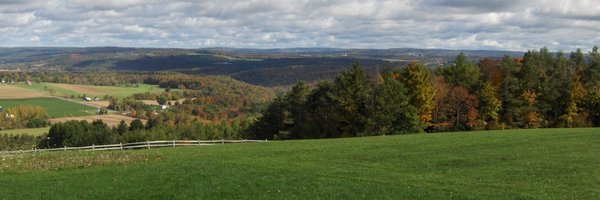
538, 90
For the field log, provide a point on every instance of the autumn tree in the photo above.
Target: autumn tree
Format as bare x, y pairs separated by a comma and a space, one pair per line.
489, 104
439, 117
529, 113
490, 71
461, 108
421, 92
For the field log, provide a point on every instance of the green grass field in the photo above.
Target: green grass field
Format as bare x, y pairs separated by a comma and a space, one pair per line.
68, 90
26, 131
515, 164
56, 107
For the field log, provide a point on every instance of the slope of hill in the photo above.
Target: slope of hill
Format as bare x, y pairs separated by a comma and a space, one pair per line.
514, 164
267, 67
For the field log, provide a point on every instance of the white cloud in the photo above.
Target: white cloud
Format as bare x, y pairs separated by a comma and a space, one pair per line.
453, 24
35, 39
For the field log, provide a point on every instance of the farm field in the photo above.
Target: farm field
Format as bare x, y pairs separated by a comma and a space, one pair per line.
14, 92
110, 120
97, 104
27, 131
56, 107
67, 90
513, 164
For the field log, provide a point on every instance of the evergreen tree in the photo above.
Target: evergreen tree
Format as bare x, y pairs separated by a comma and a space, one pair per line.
136, 124
295, 100
578, 62
271, 122
351, 92
510, 91
557, 94
462, 73
592, 104
591, 75
319, 121
392, 112
122, 127
162, 100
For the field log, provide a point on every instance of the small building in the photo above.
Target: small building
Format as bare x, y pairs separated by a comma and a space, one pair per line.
87, 98
8, 116
164, 107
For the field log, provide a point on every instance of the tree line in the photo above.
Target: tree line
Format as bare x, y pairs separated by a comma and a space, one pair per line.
84, 133
539, 89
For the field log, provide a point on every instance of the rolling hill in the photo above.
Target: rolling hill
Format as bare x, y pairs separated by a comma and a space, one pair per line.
265, 67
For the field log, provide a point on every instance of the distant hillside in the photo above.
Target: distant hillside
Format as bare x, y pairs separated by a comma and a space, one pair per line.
266, 67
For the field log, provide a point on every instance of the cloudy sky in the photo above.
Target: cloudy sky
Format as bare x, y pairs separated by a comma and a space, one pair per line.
460, 24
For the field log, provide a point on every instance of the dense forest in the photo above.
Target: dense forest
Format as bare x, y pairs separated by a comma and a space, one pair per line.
540, 89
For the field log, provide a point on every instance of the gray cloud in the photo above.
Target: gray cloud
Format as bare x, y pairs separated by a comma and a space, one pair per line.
452, 24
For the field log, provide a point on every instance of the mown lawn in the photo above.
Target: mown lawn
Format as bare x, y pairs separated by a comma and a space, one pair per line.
515, 164
56, 107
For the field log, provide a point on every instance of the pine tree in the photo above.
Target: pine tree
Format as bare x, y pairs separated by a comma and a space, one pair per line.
591, 75
271, 122
557, 94
351, 92
462, 73
510, 91
122, 127
319, 121
392, 113
136, 124
295, 100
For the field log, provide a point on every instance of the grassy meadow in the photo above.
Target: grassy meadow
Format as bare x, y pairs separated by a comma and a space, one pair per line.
56, 107
67, 90
26, 131
513, 164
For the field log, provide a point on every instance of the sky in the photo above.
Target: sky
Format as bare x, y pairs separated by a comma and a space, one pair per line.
449, 24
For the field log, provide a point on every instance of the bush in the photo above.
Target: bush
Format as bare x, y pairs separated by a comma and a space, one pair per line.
37, 123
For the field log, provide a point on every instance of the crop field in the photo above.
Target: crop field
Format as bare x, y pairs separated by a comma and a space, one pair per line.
67, 90
26, 131
110, 120
56, 107
14, 92
513, 164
